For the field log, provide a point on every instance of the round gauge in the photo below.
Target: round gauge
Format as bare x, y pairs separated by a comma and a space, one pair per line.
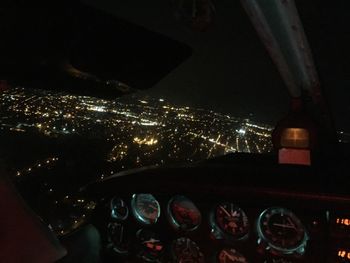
185, 250
118, 238
231, 220
282, 230
119, 210
230, 255
183, 213
145, 208
149, 246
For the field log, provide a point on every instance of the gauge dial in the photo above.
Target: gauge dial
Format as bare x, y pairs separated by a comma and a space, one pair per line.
282, 230
183, 213
230, 255
184, 250
145, 208
231, 220
150, 247
118, 239
119, 209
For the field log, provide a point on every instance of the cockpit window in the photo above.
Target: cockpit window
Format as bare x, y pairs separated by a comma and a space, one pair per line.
225, 98
132, 132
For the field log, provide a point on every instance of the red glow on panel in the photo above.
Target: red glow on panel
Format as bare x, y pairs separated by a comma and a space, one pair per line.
295, 138
294, 156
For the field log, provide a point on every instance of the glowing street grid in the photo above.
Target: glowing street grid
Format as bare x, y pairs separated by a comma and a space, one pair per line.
139, 130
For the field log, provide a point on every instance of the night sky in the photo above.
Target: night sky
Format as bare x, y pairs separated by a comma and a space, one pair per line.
230, 71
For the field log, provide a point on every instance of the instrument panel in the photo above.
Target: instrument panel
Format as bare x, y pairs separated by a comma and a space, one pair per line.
247, 214
146, 227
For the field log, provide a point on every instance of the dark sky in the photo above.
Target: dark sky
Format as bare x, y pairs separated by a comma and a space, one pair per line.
230, 71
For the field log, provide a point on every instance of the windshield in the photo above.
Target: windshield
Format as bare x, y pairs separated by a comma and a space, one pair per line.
225, 98
130, 132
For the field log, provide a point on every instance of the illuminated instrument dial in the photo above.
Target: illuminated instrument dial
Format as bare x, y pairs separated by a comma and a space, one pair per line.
231, 220
183, 213
150, 248
282, 230
145, 208
119, 209
184, 250
231, 256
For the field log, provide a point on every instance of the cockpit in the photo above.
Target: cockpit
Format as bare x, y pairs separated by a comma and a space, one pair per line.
174, 131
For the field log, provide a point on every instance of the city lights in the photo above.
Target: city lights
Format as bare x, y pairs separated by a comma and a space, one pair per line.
241, 131
138, 132
145, 141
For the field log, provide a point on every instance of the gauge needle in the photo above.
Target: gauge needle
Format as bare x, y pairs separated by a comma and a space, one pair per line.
233, 213
291, 223
154, 207
229, 256
225, 211
232, 257
152, 240
284, 225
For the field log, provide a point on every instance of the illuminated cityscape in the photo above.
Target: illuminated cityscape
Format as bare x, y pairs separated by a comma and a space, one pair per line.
139, 131
132, 132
